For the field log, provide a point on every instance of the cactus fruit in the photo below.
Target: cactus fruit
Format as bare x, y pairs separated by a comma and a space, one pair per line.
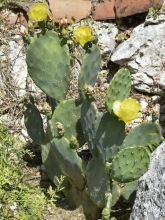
106, 211
49, 65
144, 134
34, 124
129, 164
119, 88
105, 214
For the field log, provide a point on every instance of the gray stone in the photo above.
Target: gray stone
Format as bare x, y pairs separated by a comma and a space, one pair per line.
144, 105
106, 33
150, 199
18, 62
144, 54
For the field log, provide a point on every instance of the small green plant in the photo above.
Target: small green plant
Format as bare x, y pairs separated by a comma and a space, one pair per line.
154, 12
18, 198
117, 158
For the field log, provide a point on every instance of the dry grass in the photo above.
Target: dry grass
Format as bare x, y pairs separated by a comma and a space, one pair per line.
5, 3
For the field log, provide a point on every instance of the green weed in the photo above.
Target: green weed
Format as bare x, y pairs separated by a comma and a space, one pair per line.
19, 199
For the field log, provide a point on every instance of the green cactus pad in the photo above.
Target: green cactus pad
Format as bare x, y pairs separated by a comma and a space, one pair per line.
115, 193
34, 124
102, 131
49, 65
90, 67
129, 190
111, 151
110, 133
98, 181
90, 208
143, 135
90, 119
68, 114
50, 163
119, 88
69, 162
130, 163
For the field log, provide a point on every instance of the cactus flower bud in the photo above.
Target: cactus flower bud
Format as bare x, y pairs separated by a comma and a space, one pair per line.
73, 142
60, 129
89, 92
83, 35
38, 12
127, 110
105, 214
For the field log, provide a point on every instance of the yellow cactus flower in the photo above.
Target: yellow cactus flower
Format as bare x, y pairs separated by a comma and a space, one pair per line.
127, 110
38, 12
83, 35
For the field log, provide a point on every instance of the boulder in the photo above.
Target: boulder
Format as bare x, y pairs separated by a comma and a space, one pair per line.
150, 198
144, 54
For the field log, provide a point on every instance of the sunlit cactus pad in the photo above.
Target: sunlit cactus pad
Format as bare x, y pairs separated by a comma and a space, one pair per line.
49, 65
130, 163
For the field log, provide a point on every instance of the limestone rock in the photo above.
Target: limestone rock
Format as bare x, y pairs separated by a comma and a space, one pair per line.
144, 54
18, 62
150, 199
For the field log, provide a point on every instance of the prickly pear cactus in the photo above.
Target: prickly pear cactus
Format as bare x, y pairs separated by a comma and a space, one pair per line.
128, 190
110, 132
95, 184
98, 180
90, 67
67, 114
49, 65
50, 163
143, 135
130, 163
119, 88
69, 162
34, 123
90, 120
102, 131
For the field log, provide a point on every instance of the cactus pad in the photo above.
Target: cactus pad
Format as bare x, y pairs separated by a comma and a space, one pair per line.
69, 162
49, 65
34, 124
90, 119
128, 191
50, 162
115, 193
143, 135
110, 132
90, 67
130, 163
119, 88
98, 181
68, 114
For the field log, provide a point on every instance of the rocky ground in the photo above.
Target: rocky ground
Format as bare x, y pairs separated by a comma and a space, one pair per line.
136, 42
